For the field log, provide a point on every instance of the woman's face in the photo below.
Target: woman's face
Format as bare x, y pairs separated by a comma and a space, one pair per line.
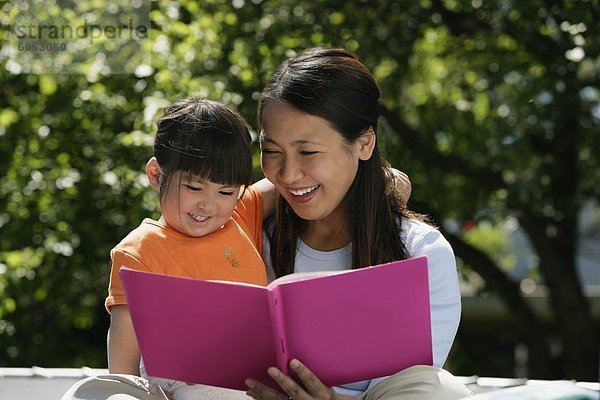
309, 162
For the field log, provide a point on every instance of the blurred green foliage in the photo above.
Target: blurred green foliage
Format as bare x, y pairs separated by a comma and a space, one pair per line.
493, 109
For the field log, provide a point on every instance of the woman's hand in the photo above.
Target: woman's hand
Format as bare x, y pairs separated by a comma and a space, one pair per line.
402, 185
311, 389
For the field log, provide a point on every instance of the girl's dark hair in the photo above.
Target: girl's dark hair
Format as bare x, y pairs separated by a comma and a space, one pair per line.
204, 138
332, 84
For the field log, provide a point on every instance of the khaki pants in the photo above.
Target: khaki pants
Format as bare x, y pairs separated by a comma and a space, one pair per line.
131, 387
419, 382
114, 387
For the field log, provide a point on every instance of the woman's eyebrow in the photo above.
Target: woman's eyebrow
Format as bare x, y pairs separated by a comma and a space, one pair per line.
265, 139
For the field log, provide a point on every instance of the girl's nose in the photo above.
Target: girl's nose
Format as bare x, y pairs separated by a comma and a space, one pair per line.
206, 204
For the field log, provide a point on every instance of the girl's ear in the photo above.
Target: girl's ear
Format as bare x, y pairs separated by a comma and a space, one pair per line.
154, 173
366, 144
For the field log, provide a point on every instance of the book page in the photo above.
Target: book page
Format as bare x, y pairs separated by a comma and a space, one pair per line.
302, 276
359, 324
200, 331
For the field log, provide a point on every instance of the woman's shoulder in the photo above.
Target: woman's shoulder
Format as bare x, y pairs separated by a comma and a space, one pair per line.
415, 229
421, 238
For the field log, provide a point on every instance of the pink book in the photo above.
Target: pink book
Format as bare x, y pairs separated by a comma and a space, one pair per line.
345, 326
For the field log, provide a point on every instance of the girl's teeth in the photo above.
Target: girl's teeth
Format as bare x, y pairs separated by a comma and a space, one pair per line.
302, 192
199, 218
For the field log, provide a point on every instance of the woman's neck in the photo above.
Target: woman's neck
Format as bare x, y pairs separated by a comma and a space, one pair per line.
326, 236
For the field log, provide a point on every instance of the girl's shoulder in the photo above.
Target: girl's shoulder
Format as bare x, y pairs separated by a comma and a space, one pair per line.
148, 233
250, 202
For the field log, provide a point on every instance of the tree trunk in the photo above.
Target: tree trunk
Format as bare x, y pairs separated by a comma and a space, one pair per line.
530, 329
574, 324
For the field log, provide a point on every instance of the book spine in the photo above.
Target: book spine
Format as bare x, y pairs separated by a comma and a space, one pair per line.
278, 324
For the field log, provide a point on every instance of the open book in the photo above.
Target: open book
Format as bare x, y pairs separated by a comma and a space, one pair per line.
345, 326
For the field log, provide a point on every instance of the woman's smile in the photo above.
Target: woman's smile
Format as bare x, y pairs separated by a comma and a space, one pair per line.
304, 191
310, 163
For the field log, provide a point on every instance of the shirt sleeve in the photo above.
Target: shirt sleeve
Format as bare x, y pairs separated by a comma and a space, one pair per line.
116, 292
444, 292
249, 211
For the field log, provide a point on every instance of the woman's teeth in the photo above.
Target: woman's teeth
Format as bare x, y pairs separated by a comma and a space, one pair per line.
301, 192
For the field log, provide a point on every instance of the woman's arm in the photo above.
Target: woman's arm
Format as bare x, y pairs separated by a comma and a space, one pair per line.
123, 349
402, 187
444, 292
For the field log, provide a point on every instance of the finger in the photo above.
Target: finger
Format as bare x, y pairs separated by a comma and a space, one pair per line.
260, 391
312, 384
288, 385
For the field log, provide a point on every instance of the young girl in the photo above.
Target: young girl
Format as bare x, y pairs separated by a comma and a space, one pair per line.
202, 165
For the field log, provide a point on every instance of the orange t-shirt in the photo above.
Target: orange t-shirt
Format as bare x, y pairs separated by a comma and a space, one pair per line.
232, 253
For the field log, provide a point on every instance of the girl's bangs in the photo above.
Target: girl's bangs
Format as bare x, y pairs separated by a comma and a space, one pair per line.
218, 161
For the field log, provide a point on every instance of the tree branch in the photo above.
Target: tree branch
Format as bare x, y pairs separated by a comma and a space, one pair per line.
489, 179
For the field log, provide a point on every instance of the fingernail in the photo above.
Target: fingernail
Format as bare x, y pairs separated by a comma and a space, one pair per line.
295, 363
250, 383
273, 372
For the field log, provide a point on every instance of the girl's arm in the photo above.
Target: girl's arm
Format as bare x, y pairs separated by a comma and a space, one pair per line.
123, 349
267, 189
401, 181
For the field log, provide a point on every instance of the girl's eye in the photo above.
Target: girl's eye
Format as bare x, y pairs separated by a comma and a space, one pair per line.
224, 193
193, 188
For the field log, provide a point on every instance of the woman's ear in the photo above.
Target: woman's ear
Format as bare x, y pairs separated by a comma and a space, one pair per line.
366, 144
154, 173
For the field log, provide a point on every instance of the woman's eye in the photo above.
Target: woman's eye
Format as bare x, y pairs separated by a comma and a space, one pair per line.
308, 153
269, 151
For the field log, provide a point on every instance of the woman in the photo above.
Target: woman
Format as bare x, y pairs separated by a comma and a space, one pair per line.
318, 130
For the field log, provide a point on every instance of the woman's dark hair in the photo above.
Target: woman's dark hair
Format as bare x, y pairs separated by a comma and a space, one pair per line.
332, 84
206, 139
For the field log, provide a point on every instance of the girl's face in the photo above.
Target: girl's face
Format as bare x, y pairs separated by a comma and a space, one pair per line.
310, 163
197, 207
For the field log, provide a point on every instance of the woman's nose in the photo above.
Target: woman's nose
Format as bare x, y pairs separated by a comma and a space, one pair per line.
290, 171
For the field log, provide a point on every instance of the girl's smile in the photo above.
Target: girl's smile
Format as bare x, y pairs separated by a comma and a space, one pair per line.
199, 218
192, 205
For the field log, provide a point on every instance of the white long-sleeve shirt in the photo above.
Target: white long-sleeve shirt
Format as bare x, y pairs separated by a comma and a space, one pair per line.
420, 239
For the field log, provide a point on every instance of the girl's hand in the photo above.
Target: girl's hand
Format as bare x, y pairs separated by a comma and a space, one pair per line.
311, 389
